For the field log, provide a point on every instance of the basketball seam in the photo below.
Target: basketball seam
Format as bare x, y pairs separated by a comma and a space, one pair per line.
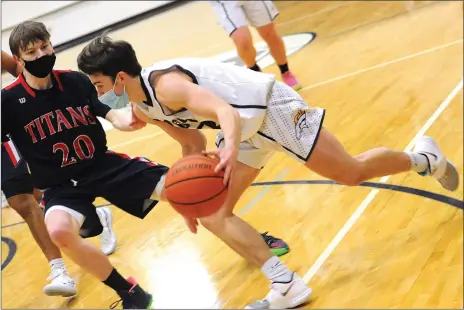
194, 178
194, 203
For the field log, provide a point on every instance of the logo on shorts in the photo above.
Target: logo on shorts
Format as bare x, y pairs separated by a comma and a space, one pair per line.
300, 123
293, 43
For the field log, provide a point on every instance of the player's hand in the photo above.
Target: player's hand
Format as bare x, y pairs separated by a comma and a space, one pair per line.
192, 224
136, 122
227, 161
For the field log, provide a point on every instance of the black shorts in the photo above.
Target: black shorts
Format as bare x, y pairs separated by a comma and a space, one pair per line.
127, 183
16, 179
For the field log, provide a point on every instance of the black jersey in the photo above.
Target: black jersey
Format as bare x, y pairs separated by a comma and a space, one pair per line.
55, 130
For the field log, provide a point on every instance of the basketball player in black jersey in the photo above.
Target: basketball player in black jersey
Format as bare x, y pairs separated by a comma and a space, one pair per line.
51, 117
23, 198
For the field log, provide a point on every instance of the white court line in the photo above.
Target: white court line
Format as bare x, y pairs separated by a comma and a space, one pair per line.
359, 211
433, 49
316, 13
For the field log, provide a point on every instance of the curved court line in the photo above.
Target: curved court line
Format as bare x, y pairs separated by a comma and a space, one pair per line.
398, 188
11, 251
263, 191
404, 189
374, 185
373, 193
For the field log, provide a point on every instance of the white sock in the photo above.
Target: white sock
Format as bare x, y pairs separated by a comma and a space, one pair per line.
57, 263
276, 271
419, 162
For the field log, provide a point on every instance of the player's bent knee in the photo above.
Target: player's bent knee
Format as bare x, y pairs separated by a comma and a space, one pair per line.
62, 236
352, 177
63, 227
215, 223
350, 181
212, 223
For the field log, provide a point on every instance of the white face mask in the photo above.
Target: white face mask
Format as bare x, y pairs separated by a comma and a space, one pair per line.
114, 101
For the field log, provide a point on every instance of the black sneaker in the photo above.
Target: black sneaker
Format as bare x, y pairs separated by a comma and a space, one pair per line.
135, 298
277, 246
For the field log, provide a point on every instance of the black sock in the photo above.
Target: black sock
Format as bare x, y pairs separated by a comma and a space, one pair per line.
255, 68
283, 68
117, 282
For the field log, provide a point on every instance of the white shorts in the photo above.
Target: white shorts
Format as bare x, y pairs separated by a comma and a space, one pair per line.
235, 14
290, 126
79, 217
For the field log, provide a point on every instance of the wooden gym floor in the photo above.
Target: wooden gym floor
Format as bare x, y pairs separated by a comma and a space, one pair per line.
386, 72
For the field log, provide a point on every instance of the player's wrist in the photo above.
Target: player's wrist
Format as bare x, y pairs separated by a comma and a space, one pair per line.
232, 147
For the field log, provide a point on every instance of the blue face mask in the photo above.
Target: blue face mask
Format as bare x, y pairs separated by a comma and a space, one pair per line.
114, 101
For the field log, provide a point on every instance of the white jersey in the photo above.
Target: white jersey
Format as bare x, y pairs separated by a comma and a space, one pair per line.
246, 90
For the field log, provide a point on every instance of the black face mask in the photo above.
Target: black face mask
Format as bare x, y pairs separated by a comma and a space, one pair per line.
41, 67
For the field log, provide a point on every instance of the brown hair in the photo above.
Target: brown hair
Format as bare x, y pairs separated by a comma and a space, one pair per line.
25, 33
108, 57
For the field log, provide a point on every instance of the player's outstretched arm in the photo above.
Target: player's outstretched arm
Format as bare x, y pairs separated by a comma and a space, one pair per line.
124, 119
121, 119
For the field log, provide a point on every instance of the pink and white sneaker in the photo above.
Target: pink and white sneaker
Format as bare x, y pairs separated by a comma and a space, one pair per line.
291, 80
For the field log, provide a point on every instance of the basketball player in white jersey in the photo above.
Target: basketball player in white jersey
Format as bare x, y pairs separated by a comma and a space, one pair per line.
258, 116
233, 17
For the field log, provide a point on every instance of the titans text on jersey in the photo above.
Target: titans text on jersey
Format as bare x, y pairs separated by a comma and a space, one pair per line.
56, 129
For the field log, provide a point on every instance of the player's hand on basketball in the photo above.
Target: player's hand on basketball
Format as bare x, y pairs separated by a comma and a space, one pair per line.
192, 224
227, 161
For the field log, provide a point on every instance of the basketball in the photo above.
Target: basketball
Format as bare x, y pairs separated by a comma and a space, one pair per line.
193, 188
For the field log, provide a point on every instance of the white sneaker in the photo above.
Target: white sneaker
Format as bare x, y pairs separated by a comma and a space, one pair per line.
108, 239
61, 284
284, 295
439, 166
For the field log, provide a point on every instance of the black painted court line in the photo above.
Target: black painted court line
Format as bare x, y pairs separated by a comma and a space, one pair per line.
11, 251
404, 189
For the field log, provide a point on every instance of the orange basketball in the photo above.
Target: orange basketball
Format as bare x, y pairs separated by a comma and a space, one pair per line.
193, 188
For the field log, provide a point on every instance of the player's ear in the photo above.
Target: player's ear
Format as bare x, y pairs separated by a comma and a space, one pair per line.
17, 59
122, 76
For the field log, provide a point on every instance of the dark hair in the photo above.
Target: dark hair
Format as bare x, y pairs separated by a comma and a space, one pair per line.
25, 33
108, 57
